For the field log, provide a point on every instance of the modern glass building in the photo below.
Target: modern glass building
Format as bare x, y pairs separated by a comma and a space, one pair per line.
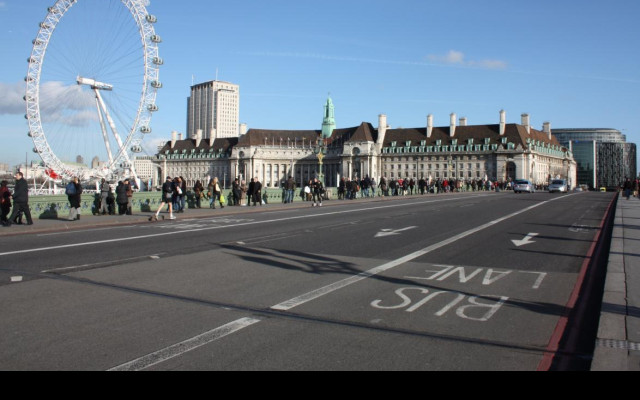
604, 157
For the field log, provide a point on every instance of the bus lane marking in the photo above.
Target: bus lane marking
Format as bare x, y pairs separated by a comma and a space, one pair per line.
178, 349
315, 294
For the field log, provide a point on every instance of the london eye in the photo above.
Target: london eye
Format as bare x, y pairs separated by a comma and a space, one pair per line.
91, 86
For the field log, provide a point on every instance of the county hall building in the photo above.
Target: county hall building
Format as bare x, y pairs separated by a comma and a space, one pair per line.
457, 151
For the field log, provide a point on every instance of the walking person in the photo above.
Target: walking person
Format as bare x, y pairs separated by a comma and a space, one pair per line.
167, 198
105, 189
216, 192
20, 200
74, 192
318, 191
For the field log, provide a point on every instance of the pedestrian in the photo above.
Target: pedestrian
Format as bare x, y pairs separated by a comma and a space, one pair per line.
318, 191
129, 189
105, 189
627, 188
5, 201
243, 193
74, 192
290, 187
198, 190
20, 200
167, 198
307, 192
341, 188
177, 195
255, 192
216, 192
383, 186
236, 191
121, 198
183, 196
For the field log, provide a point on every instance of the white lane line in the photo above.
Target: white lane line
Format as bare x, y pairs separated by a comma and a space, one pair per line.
179, 232
289, 304
185, 346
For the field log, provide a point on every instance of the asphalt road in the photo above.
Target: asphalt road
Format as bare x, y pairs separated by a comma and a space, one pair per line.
476, 281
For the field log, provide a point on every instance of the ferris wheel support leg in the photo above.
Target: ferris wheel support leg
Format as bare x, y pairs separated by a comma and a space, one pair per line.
109, 119
105, 136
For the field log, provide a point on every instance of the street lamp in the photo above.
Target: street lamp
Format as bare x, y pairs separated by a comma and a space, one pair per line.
320, 150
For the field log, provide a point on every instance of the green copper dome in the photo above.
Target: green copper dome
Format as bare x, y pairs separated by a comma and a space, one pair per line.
329, 120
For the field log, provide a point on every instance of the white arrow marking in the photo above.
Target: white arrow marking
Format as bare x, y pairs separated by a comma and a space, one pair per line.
391, 232
526, 240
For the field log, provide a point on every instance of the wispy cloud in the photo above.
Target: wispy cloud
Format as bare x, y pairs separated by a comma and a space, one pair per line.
458, 58
453, 58
11, 102
66, 105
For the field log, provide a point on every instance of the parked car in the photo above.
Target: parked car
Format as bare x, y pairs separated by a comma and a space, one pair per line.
522, 185
558, 185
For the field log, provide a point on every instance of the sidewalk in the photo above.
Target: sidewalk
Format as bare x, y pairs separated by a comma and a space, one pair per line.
61, 224
618, 342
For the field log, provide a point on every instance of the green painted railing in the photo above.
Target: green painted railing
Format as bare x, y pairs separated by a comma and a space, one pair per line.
57, 206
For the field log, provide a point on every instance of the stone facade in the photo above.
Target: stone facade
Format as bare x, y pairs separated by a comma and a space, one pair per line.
496, 152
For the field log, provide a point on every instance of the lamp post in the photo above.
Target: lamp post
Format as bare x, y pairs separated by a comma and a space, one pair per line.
320, 150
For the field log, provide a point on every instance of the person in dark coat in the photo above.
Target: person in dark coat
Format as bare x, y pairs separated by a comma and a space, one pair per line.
627, 186
318, 191
255, 191
20, 200
121, 198
74, 194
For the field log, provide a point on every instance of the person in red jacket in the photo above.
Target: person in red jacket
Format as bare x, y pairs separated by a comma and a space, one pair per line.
5, 201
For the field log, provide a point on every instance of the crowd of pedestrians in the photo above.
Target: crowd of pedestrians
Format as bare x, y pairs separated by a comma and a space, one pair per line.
350, 189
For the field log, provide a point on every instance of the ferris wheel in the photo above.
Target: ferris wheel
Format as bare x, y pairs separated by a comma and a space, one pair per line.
89, 104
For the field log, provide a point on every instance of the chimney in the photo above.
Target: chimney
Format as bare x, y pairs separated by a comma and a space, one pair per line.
429, 125
452, 124
527, 123
463, 121
180, 136
503, 122
174, 136
198, 137
382, 128
546, 128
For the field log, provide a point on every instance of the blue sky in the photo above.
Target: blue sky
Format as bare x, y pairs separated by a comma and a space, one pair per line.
573, 63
